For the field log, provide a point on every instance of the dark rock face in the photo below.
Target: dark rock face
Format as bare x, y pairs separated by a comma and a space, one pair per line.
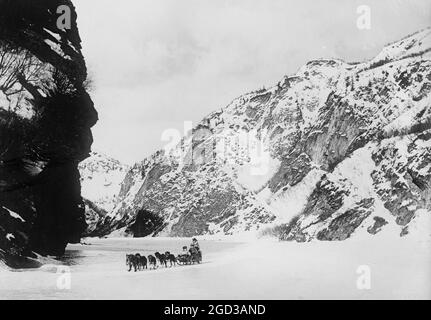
146, 223
46, 117
378, 224
344, 225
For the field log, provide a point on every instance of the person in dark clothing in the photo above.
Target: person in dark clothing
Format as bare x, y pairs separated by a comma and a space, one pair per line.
194, 245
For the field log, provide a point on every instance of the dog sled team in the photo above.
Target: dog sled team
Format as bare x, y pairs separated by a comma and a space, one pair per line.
190, 255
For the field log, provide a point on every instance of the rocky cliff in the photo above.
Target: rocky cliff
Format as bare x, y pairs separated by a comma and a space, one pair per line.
45, 120
336, 149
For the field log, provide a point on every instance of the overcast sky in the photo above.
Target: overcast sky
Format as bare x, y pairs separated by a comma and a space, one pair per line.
158, 63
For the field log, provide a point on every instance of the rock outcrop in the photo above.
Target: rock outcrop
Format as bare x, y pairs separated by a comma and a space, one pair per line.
334, 150
46, 117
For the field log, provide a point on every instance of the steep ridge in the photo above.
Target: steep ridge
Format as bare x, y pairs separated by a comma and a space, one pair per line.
101, 178
45, 120
336, 148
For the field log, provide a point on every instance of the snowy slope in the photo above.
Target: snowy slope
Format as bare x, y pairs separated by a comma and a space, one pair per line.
101, 178
313, 154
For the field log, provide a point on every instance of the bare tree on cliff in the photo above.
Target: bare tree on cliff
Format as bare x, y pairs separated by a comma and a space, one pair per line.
17, 66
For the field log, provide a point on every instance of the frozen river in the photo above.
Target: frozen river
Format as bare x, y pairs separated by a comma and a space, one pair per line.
97, 270
265, 269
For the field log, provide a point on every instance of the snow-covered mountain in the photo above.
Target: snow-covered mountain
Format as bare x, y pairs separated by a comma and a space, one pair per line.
101, 178
333, 150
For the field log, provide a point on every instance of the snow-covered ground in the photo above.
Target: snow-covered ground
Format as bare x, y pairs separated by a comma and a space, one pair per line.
386, 268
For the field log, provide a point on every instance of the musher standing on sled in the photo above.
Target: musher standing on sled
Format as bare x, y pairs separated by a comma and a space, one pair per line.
195, 245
